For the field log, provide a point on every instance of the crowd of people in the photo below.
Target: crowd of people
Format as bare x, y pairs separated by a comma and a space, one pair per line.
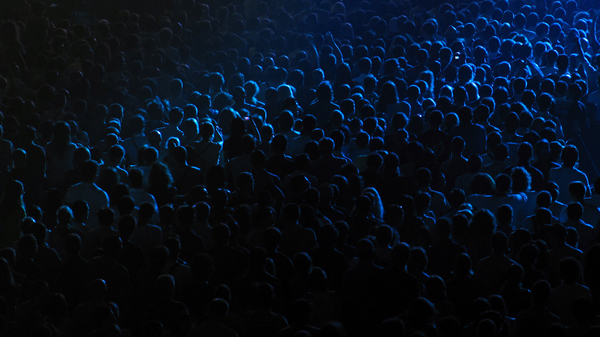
266, 168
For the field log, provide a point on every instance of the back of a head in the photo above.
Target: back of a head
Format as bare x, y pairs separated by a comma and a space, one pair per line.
97, 288
175, 116
207, 131
577, 190
218, 308
365, 249
146, 212
72, 244
247, 143
326, 146
89, 171
482, 183
456, 197
324, 92
503, 183
220, 233
543, 199
574, 211
525, 152
570, 155
400, 254
106, 217
570, 270
126, 226
264, 294
179, 154
286, 120
186, 216
165, 285
202, 210
279, 144
475, 163
499, 242
540, 292
436, 118
465, 114
258, 159
558, 232
457, 145
136, 177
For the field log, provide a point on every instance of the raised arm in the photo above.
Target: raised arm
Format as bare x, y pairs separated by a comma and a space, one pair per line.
594, 39
336, 50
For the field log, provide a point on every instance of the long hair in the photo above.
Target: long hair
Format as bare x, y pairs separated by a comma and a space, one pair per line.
61, 137
376, 204
6, 275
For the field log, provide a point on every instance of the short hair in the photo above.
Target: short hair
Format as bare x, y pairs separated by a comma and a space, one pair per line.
106, 217
324, 91
279, 143
570, 270
504, 214
179, 154
218, 307
365, 249
175, 115
543, 199
116, 153
423, 176
326, 145
570, 155
540, 291
89, 170
457, 145
499, 242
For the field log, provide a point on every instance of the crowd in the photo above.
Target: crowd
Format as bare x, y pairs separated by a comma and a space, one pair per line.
286, 168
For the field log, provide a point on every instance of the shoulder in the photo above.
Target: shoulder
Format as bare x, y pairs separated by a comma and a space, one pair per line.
557, 170
581, 173
155, 228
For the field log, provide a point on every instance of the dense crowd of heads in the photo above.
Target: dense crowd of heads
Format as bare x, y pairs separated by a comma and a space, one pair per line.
299, 168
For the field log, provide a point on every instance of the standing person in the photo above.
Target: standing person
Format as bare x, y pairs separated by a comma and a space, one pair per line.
6, 153
146, 235
567, 173
12, 209
323, 106
473, 134
536, 320
206, 151
88, 191
172, 130
572, 113
457, 165
36, 164
137, 140
59, 155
